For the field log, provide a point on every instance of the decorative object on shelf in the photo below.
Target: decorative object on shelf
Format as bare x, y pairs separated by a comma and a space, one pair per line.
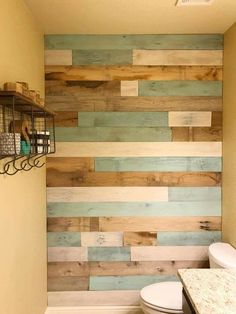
10, 144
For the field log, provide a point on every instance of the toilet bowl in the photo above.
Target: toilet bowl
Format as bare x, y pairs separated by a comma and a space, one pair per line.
166, 297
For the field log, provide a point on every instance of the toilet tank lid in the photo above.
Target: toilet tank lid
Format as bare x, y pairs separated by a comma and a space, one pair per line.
224, 254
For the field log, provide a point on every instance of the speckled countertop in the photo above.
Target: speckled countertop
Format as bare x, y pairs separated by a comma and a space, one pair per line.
211, 291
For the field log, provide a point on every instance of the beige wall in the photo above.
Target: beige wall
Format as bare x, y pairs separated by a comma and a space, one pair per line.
22, 197
229, 138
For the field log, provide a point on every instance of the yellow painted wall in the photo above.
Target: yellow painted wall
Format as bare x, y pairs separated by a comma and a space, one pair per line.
22, 197
229, 138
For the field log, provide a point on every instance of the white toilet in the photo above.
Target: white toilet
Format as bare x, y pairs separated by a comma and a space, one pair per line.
166, 297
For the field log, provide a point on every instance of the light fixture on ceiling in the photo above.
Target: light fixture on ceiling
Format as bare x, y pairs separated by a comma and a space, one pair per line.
193, 2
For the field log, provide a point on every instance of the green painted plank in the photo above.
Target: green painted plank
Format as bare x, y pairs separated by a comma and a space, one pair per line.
126, 282
99, 254
123, 119
180, 88
102, 57
180, 194
110, 209
211, 41
158, 164
65, 239
113, 134
188, 238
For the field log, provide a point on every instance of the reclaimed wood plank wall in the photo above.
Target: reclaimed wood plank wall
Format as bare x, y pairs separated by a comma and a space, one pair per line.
134, 190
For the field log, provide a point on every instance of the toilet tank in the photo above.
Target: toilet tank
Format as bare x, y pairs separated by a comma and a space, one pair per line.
222, 255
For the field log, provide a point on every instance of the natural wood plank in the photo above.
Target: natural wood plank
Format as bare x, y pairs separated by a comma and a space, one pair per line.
68, 224
173, 253
153, 224
126, 73
71, 239
67, 269
101, 239
178, 57
67, 254
189, 118
217, 119
184, 134
137, 149
188, 238
98, 254
129, 88
94, 224
140, 238
58, 57
68, 283
102, 57
68, 164
66, 119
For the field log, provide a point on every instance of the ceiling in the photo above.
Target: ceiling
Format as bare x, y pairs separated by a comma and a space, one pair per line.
131, 16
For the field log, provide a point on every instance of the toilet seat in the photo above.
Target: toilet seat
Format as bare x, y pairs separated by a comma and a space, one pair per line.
165, 297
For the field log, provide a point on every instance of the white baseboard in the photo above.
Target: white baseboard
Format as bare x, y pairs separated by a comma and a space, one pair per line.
94, 310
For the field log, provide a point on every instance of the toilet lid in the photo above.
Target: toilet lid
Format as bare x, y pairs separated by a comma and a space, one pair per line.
166, 295
223, 254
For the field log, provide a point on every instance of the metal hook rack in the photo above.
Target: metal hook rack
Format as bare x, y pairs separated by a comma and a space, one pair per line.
22, 150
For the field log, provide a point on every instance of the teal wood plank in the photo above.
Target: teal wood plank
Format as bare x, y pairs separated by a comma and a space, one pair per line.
126, 282
180, 88
113, 134
102, 57
110, 209
212, 41
188, 238
180, 194
123, 119
158, 164
65, 239
99, 254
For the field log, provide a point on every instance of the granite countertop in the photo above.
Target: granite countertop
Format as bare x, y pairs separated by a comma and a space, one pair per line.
211, 291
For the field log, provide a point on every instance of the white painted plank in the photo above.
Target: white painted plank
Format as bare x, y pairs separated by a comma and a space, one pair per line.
97, 239
58, 57
67, 254
189, 118
129, 88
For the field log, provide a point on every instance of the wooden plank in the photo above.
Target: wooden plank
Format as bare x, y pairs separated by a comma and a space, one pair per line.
139, 149
107, 194
189, 194
140, 238
129, 73
160, 164
169, 253
87, 42
94, 224
188, 238
67, 254
63, 239
58, 57
133, 104
137, 224
66, 119
98, 254
98, 239
113, 134
178, 57
67, 269
109, 179
180, 88
94, 298
189, 118
129, 88
70, 164
123, 119
68, 283
126, 282
217, 119
135, 209
184, 134
62, 224
102, 57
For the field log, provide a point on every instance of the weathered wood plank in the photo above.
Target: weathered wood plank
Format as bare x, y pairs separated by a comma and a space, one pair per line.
217, 119
160, 164
137, 224
189, 194
68, 283
66, 119
134, 42
178, 57
68, 164
188, 238
113, 134
138, 149
140, 238
169, 253
180, 88
71, 239
67, 254
57, 178
189, 118
99, 254
102, 57
129, 88
58, 57
122, 73
203, 134
106, 194
98, 239
62, 224
94, 224
67, 269
135, 209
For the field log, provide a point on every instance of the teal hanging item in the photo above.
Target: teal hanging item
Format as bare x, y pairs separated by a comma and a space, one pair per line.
25, 148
